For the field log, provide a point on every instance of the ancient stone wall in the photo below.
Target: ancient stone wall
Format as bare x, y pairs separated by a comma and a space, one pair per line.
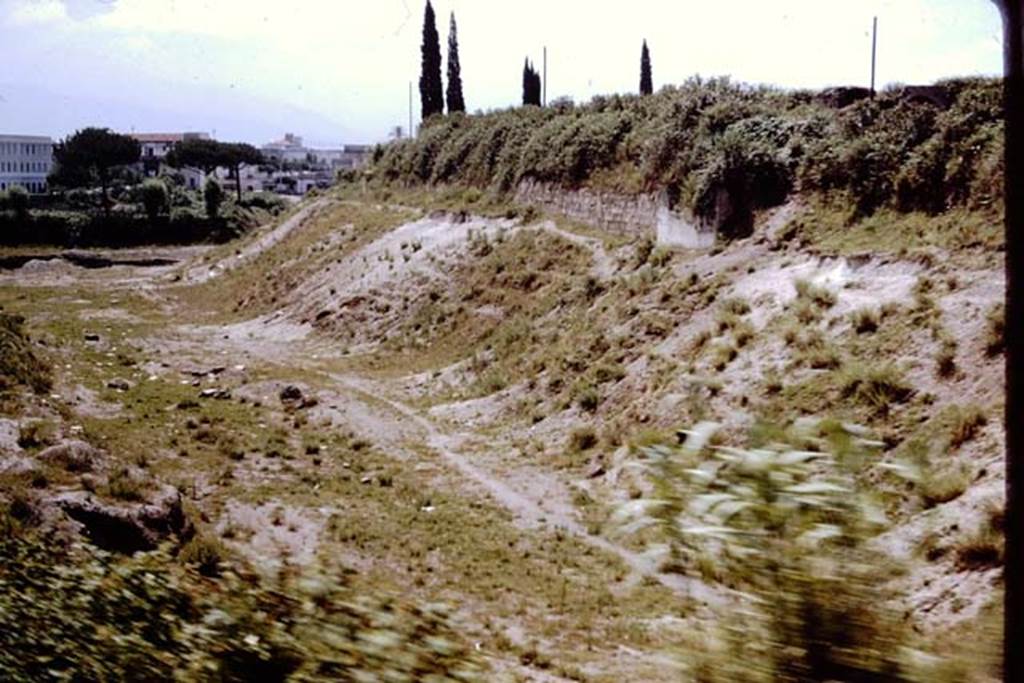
645, 215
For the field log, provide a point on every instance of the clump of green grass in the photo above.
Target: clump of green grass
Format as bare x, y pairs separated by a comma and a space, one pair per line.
944, 485
700, 341
865, 320
995, 330
966, 422
945, 360
743, 333
986, 546
816, 294
821, 357
581, 439
735, 305
123, 485
875, 387
923, 288
587, 397
205, 553
806, 312
37, 433
608, 372
981, 550
723, 354
642, 252
726, 321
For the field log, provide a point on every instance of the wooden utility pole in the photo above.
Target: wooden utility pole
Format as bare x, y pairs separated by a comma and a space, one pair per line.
410, 110
1013, 111
874, 45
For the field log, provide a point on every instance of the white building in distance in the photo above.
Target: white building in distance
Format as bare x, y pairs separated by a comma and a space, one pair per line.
290, 150
25, 161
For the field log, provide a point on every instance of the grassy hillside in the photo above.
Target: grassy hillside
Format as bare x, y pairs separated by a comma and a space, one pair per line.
756, 144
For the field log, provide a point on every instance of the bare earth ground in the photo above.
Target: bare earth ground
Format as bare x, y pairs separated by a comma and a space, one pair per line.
422, 483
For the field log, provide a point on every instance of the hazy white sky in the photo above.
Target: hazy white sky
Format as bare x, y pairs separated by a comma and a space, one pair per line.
338, 71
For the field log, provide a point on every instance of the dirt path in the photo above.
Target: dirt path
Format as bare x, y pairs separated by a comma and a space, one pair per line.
604, 265
525, 508
202, 273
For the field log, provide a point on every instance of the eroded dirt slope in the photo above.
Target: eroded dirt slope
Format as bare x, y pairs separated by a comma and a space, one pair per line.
450, 404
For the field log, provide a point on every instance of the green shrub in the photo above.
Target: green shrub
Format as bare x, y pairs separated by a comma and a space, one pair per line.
19, 364
791, 529
206, 554
155, 198
17, 200
213, 197
723, 150
91, 616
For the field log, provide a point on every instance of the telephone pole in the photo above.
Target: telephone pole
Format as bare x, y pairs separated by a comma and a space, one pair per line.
874, 44
544, 98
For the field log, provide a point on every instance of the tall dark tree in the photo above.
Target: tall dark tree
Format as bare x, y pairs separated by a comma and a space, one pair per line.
197, 153
209, 155
455, 101
646, 84
531, 85
526, 81
90, 157
431, 92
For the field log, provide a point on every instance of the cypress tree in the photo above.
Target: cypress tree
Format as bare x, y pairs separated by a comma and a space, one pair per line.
431, 92
646, 84
455, 101
531, 85
526, 82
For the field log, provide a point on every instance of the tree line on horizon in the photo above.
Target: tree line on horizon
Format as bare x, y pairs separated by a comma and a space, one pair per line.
433, 95
91, 156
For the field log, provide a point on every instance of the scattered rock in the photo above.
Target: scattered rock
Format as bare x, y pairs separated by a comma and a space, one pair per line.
128, 529
596, 470
72, 455
217, 393
18, 465
9, 435
119, 384
291, 393
92, 337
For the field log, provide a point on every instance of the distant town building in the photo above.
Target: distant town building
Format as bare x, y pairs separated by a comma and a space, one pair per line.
290, 151
155, 147
288, 148
25, 161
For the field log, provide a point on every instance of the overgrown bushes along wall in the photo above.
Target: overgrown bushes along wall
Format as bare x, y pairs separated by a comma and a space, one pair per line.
723, 150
